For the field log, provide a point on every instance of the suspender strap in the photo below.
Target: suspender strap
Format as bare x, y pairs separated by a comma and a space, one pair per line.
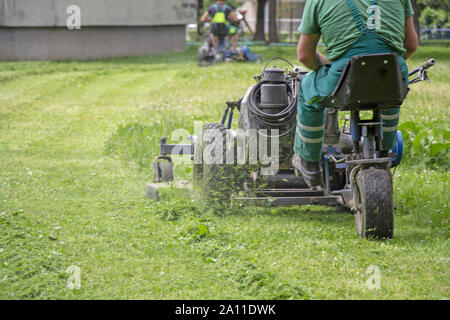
216, 8
356, 16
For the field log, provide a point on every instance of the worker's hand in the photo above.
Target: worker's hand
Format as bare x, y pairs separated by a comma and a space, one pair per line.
241, 14
205, 17
234, 17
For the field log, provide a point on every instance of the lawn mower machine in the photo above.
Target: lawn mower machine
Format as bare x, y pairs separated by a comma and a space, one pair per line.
207, 56
231, 166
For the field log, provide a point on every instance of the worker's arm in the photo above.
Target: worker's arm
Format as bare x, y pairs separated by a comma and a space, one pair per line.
232, 17
206, 17
307, 51
411, 41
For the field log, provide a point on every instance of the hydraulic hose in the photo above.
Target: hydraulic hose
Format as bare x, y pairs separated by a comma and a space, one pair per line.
278, 120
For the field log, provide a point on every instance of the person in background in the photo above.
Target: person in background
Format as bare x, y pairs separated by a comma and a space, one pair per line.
348, 28
221, 15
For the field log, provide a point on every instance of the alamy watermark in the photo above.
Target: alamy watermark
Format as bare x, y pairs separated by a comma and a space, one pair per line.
374, 19
73, 21
74, 280
373, 282
250, 146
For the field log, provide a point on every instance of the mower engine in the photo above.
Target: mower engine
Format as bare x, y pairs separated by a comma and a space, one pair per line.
269, 109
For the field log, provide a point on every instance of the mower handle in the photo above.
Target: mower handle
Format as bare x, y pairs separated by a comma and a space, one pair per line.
422, 70
428, 63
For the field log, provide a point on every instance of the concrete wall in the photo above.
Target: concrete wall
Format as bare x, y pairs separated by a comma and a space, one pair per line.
36, 29
52, 13
88, 43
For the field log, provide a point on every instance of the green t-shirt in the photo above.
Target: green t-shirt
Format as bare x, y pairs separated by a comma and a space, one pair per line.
333, 19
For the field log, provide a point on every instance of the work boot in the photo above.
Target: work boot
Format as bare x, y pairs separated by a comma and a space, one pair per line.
311, 171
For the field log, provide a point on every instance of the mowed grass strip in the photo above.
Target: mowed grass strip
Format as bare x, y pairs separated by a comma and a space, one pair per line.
77, 140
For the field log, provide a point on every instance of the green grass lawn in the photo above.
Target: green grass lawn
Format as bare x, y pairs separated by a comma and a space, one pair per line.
77, 140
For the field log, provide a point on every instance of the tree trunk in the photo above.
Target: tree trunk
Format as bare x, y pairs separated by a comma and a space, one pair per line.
260, 16
416, 17
199, 16
273, 32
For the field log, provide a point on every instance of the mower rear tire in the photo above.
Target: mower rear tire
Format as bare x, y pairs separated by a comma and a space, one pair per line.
375, 216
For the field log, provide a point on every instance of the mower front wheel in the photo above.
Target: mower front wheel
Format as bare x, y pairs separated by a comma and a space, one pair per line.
163, 169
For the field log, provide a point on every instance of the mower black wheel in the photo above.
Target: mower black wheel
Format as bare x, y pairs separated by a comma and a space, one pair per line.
217, 187
197, 170
201, 54
374, 215
165, 171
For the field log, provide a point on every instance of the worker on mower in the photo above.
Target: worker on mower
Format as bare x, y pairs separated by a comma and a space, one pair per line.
348, 28
220, 15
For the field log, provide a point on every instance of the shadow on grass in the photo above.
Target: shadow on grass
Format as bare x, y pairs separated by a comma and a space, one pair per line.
173, 58
305, 213
313, 213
